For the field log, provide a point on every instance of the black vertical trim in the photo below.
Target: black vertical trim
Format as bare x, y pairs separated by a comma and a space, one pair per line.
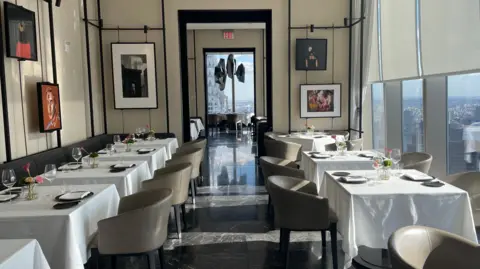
165, 65
23, 109
254, 80
205, 87
268, 19
362, 9
263, 73
350, 66
54, 57
289, 66
3, 84
102, 69
195, 71
89, 68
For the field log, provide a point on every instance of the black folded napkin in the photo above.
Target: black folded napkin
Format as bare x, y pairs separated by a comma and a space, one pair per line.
126, 166
145, 151
117, 169
66, 205
341, 174
59, 197
434, 184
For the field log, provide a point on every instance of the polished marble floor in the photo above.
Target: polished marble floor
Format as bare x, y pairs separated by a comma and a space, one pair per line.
228, 227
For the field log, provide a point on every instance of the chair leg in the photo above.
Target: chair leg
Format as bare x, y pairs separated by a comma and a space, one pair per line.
284, 242
93, 264
161, 255
192, 190
151, 260
113, 260
333, 240
184, 213
178, 221
324, 241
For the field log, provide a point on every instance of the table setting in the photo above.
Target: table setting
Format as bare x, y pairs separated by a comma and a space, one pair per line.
314, 141
170, 144
22, 254
371, 207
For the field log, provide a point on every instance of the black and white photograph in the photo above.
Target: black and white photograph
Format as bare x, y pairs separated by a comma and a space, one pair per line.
311, 54
20, 32
134, 75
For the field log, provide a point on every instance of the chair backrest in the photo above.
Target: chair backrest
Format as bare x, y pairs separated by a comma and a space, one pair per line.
272, 166
416, 247
469, 182
198, 144
293, 200
420, 161
175, 177
331, 147
356, 144
213, 119
232, 118
188, 155
282, 149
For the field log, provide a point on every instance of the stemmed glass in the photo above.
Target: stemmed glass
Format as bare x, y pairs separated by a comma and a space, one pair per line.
396, 156
77, 154
138, 132
110, 149
117, 139
9, 179
50, 174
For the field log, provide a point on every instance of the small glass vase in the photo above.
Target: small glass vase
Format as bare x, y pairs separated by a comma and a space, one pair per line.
93, 162
128, 147
385, 173
32, 193
310, 131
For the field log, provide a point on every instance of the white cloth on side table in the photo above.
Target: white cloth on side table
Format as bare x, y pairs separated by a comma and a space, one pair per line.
194, 133
127, 182
63, 234
314, 168
22, 254
314, 142
368, 214
170, 144
199, 124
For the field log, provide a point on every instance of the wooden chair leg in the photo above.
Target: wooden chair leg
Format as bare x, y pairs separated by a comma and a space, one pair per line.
333, 240
161, 255
184, 213
178, 221
192, 190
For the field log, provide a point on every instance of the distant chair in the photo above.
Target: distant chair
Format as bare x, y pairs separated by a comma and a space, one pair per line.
331, 147
355, 145
213, 121
419, 161
192, 156
282, 149
417, 247
233, 120
469, 182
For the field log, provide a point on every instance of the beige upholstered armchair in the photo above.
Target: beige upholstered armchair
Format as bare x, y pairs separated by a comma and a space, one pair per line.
417, 247
192, 156
420, 161
282, 149
175, 177
298, 208
198, 144
139, 228
469, 182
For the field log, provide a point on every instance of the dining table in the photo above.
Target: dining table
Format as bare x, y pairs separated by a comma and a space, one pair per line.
63, 234
127, 182
333, 160
369, 212
22, 254
310, 141
170, 145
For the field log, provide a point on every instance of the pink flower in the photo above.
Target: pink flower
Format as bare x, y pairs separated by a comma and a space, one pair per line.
26, 167
334, 136
39, 179
148, 126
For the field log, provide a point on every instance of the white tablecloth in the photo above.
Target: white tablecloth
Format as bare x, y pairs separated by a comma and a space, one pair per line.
194, 133
22, 254
155, 159
314, 168
63, 234
199, 125
315, 142
127, 182
369, 214
170, 144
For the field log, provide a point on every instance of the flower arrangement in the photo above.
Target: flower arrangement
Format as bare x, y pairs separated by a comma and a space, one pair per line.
387, 163
31, 182
93, 159
93, 155
129, 141
151, 132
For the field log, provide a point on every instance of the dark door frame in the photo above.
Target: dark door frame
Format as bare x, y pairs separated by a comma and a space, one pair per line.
228, 50
222, 16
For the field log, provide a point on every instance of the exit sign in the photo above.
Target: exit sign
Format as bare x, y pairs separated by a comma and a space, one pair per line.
228, 35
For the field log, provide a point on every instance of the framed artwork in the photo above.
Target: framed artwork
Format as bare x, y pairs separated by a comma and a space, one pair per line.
134, 75
320, 101
311, 54
49, 105
20, 32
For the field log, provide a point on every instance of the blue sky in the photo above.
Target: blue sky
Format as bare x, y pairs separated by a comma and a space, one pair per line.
244, 91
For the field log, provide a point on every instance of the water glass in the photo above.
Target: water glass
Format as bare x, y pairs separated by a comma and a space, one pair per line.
50, 172
117, 139
110, 149
77, 154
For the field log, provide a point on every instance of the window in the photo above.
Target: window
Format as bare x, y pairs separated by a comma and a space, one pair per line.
463, 126
378, 116
412, 112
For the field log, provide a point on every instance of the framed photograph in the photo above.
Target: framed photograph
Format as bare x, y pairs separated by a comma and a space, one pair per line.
134, 75
20, 32
320, 101
49, 105
311, 54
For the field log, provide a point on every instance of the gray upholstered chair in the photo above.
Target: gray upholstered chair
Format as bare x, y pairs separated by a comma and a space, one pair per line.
199, 144
190, 155
420, 161
139, 228
298, 208
356, 144
417, 247
331, 147
177, 178
282, 149
469, 182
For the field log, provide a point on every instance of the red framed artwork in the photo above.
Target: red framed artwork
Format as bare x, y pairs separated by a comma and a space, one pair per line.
49, 107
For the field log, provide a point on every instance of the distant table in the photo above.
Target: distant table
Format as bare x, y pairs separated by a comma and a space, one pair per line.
64, 234
369, 214
313, 142
170, 144
22, 254
127, 182
315, 168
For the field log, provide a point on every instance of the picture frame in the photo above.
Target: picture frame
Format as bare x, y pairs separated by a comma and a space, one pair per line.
48, 96
134, 75
311, 54
320, 101
20, 32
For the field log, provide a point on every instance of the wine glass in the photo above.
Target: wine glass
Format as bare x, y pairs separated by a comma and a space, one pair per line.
77, 154
117, 139
9, 179
396, 156
110, 149
138, 132
50, 172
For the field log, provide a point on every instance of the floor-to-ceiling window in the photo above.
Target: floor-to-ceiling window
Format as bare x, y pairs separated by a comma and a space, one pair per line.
463, 126
378, 116
412, 115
